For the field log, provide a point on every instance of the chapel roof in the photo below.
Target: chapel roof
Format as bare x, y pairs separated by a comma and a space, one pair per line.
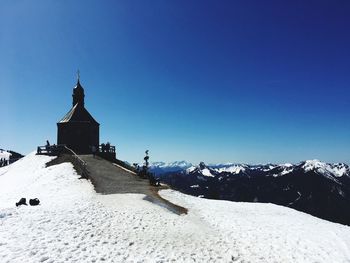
78, 113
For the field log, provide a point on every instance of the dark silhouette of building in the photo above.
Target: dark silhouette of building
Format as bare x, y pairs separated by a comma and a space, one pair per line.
78, 130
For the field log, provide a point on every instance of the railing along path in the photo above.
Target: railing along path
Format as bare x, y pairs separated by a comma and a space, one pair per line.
55, 150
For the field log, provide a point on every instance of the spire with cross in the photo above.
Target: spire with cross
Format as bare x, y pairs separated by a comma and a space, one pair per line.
78, 92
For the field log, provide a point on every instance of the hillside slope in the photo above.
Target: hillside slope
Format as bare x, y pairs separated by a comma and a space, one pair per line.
318, 188
74, 224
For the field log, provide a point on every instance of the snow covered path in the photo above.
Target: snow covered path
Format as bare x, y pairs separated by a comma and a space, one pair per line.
74, 224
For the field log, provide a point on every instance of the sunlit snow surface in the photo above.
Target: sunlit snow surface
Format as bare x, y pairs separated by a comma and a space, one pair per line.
74, 224
337, 170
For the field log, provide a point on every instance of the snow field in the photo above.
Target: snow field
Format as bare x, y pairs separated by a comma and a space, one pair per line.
267, 232
74, 224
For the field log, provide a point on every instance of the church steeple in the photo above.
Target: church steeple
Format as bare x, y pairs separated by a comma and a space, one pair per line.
78, 130
78, 93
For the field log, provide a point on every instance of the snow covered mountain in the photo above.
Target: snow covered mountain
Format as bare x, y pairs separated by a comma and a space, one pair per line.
74, 224
10, 156
314, 187
5, 155
331, 171
162, 167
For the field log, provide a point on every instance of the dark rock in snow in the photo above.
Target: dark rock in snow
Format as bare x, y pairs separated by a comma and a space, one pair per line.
34, 201
22, 201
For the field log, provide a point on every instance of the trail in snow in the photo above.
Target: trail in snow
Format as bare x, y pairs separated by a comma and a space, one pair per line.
74, 224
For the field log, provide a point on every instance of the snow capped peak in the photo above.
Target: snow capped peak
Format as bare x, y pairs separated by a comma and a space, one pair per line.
263, 167
332, 171
5, 154
163, 167
191, 169
341, 169
234, 169
313, 164
202, 168
157, 164
205, 170
202, 165
336, 169
182, 164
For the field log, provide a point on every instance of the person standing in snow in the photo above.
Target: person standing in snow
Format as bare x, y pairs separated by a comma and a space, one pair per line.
47, 146
93, 149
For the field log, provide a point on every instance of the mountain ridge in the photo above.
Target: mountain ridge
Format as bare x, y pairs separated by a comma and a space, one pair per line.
318, 188
336, 169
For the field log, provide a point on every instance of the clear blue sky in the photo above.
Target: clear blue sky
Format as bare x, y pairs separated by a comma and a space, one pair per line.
214, 81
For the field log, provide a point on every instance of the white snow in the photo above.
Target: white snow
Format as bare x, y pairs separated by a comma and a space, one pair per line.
326, 169
314, 164
256, 232
286, 171
234, 169
74, 224
270, 167
206, 172
176, 164
339, 169
287, 168
191, 169
5, 155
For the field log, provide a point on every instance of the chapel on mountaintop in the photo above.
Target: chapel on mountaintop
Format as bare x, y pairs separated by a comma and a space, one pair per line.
78, 130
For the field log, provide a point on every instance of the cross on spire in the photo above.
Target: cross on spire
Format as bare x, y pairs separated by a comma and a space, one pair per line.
78, 92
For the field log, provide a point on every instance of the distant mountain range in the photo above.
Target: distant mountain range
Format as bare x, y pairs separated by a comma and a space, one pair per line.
314, 187
13, 157
162, 167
